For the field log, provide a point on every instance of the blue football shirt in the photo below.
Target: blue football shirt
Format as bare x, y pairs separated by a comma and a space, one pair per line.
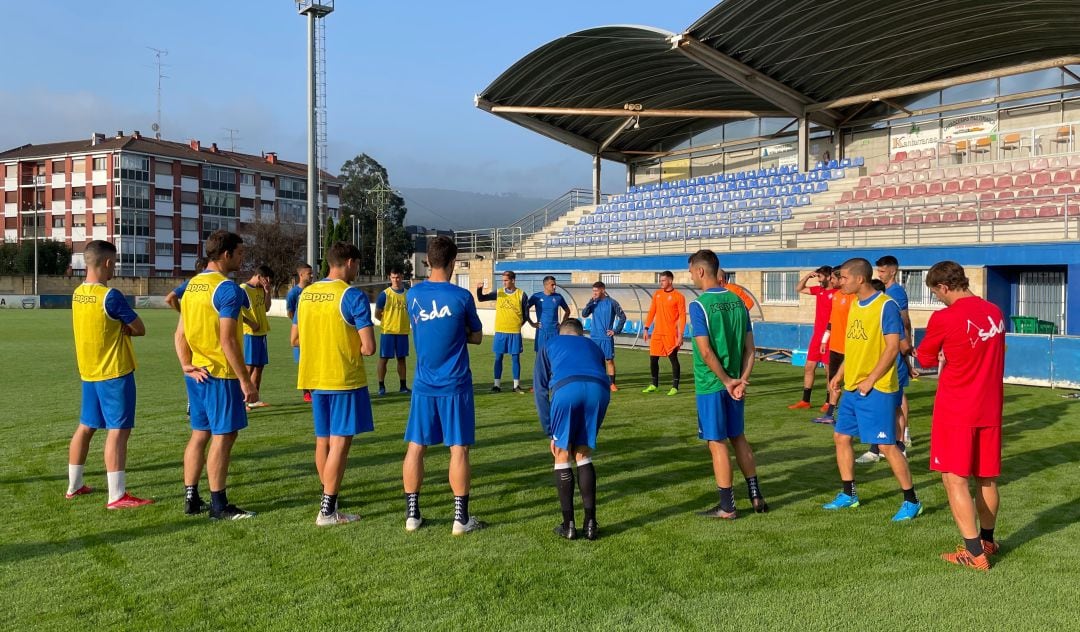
442, 316
565, 359
547, 308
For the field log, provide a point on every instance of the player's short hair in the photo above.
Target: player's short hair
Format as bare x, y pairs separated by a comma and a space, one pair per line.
340, 252
878, 284
221, 243
549, 278
441, 251
599, 285
303, 266
98, 251
265, 271
947, 273
511, 274
572, 326
397, 270
200, 264
887, 260
826, 270
706, 259
668, 274
836, 271
858, 266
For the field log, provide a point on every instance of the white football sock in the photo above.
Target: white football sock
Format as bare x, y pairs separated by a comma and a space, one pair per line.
117, 485
75, 478
517, 383
498, 381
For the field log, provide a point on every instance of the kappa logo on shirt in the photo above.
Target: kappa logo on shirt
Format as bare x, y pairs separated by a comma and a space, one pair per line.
937, 461
977, 334
881, 435
856, 331
420, 314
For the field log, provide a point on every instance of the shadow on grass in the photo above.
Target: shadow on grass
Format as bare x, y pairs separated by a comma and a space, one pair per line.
1047, 521
21, 551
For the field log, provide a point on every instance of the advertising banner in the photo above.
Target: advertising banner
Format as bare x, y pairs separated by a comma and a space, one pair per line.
18, 301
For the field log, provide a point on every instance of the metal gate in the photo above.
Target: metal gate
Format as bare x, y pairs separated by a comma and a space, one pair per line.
1042, 295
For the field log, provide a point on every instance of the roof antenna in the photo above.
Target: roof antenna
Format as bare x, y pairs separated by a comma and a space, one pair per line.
158, 54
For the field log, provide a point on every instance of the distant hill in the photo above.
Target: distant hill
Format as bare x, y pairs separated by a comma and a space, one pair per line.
465, 210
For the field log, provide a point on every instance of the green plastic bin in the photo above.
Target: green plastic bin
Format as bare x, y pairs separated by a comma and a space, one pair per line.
1047, 327
1025, 324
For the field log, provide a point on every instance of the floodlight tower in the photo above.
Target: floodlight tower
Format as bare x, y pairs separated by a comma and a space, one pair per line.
315, 10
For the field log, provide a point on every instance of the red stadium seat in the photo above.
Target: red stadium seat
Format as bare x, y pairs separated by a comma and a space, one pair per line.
808, 226
919, 188
1027, 212
1003, 182
969, 185
900, 155
987, 215
914, 218
860, 194
1041, 179
1049, 210
864, 182
1019, 166
985, 184
968, 216
952, 186
1059, 162
1007, 213
1039, 164
1022, 180
903, 191
932, 218
846, 197
873, 194
969, 171
888, 193
950, 216
1062, 177
935, 188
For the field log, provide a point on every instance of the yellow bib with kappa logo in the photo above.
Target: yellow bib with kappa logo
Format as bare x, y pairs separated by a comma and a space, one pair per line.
102, 350
201, 327
331, 359
395, 315
256, 313
509, 316
864, 343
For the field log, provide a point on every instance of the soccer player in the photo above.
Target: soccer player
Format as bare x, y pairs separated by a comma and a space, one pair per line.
444, 320
257, 326
736, 289
887, 270
723, 360
868, 376
210, 347
547, 304
104, 323
668, 313
511, 312
172, 299
394, 319
608, 319
304, 277
965, 436
833, 342
823, 294
570, 369
335, 329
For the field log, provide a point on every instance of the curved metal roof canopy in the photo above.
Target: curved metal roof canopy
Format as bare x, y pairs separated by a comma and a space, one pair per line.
824, 60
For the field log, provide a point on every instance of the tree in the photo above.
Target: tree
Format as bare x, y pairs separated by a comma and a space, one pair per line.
9, 258
273, 245
54, 257
365, 193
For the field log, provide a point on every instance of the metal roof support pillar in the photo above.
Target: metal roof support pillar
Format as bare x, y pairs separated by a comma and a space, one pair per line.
596, 179
804, 143
630, 179
838, 145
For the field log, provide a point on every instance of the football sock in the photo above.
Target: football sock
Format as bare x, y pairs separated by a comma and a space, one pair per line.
849, 488
515, 366
412, 504
727, 498
218, 500
875, 449
987, 534
191, 491
517, 383
909, 496
832, 409
654, 370
903, 448
75, 477
752, 488
973, 546
401, 385
564, 484
806, 394
587, 484
612, 377
329, 504
498, 382
117, 485
382, 386
676, 368
461, 509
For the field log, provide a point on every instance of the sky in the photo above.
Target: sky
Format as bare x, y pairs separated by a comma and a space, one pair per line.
401, 79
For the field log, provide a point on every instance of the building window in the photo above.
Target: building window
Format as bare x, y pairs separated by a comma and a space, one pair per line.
293, 212
189, 223
131, 167
100, 219
59, 166
78, 193
1041, 295
219, 203
611, 277
163, 195
58, 221
133, 251
162, 168
914, 283
780, 287
101, 164
218, 178
78, 220
266, 182
163, 223
247, 178
99, 192
267, 208
292, 189
729, 277
78, 165
210, 223
163, 248
132, 196
462, 280
135, 223
189, 197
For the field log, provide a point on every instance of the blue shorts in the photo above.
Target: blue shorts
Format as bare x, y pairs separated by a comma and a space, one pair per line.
544, 335
507, 343
255, 353
577, 411
342, 413
394, 346
871, 417
719, 417
607, 345
296, 354
217, 405
109, 403
446, 419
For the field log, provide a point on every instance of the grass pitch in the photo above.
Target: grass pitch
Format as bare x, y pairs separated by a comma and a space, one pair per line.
74, 565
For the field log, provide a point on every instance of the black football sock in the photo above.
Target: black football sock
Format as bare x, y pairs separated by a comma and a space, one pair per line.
382, 385
676, 369
412, 504
654, 369
909, 496
329, 504
401, 385
587, 484
987, 534
832, 409
973, 546
564, 484
727, 498
875, 449
218, 500
191, 491
849, 488
752, 488
806, 394
612, 376
461, 509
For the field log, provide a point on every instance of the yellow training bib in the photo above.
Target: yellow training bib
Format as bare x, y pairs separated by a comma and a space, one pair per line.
331, 359
864, 344
102, 350
509, 315
395, 315
257, 311
201, 327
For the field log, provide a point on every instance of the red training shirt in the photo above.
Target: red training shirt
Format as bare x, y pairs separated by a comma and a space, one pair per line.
971, 332
823, 309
